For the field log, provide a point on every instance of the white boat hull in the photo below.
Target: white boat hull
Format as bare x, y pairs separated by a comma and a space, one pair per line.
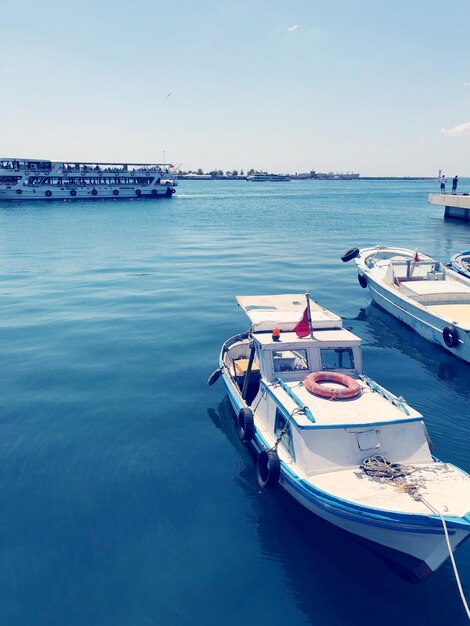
428, 326
418, 553
30, 194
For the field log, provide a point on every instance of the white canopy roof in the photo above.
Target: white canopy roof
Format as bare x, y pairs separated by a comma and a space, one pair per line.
284, 311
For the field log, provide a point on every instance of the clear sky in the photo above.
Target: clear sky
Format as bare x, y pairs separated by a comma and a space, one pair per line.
373, 86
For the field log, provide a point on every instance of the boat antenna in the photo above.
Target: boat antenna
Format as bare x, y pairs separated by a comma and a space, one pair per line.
307, 297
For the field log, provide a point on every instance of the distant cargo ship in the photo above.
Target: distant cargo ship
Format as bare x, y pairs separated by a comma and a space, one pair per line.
31, 179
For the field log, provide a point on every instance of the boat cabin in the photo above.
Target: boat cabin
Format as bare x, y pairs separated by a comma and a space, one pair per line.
268, 369
282, 354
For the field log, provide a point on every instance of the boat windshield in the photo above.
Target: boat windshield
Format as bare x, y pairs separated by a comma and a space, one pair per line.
290, 360
337, 359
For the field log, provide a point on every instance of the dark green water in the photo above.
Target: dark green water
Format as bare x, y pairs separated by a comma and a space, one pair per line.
126, 498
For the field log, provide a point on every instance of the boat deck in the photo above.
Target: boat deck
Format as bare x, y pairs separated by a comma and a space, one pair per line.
444, 486
368, 408
442, 289
454, 313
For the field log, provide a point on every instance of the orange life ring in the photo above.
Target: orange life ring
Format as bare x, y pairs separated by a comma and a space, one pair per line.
352, 387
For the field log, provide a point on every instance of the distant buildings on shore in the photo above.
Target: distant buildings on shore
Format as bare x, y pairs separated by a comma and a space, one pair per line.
236, 175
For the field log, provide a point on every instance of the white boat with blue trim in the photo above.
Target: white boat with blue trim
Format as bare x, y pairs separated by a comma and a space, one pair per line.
434, 300
460, 263
363, 461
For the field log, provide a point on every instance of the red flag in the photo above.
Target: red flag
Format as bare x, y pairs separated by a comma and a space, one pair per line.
302, 328
416, 257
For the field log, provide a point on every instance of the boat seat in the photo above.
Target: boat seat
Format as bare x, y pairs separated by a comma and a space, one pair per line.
241, 366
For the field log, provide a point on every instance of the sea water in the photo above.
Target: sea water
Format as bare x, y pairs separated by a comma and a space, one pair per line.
126, 497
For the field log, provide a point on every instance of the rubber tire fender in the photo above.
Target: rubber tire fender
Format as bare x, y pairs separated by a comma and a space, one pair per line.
245, 424
154, 192
350, 254
48, 193
115, 192
94, 192
268, 469
450, 336
362, 279
73, 193
138, 193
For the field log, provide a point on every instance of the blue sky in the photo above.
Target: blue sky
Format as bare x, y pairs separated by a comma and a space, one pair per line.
378, 87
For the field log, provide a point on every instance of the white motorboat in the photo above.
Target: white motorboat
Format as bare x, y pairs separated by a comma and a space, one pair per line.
33, 179
362, 461
460, 263
420, 291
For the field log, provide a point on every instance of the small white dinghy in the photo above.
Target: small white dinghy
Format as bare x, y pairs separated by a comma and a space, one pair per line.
420, 291
460, 263
362, 461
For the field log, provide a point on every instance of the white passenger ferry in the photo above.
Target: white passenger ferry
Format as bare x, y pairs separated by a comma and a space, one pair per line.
270, 178
33, 179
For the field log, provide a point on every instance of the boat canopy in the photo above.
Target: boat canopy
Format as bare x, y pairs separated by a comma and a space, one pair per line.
284, 311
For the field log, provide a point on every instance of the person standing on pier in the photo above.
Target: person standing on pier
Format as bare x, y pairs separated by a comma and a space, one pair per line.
455, 182
442, 180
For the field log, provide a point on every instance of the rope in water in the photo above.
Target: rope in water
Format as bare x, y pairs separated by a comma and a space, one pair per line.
379, 466
451, 554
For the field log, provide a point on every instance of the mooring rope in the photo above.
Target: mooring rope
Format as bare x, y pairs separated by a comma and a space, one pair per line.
382, 468
451, 554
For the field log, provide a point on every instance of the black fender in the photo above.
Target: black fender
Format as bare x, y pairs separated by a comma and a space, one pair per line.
450, 336
362, 279
246, 424
268, 469
350, 254
214, 377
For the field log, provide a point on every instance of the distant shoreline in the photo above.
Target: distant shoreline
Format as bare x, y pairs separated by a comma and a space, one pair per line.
205, 177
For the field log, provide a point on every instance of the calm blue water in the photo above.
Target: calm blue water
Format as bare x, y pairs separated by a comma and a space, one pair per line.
126, 497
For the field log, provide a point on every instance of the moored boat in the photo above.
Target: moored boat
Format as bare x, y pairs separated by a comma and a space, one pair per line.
420, 291
460, 263
362, 461
33, 179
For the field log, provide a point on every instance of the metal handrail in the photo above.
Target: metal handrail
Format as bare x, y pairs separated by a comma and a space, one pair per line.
386, 394
308, 413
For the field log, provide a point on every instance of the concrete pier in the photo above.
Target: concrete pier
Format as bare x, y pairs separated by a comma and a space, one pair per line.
457, 206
